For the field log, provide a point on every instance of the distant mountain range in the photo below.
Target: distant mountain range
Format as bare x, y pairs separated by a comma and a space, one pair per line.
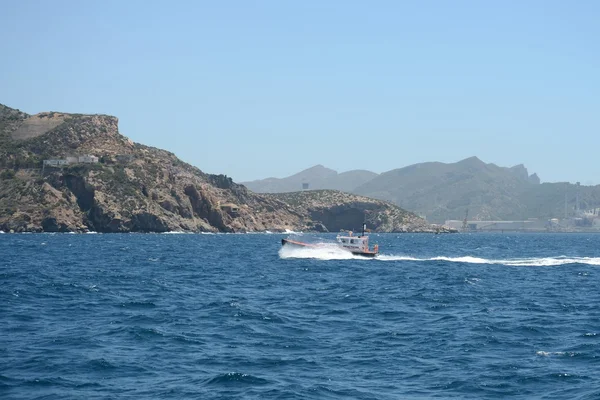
442, 191
317, 177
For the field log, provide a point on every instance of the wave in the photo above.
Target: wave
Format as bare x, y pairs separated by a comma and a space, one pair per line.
236, 378
515, 262
324, 251
329, 251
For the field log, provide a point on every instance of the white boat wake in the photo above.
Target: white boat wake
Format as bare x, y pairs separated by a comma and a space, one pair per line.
515, 262
328, 251
324, 251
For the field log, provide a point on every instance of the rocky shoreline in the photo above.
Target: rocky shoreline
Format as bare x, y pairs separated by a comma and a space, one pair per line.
128, 187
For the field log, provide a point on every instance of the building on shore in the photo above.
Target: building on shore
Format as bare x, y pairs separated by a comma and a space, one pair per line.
230, 208
529, 225
55, 162
532, 224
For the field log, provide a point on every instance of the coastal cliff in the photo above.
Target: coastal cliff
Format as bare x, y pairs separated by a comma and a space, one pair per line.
99, 180
337, 211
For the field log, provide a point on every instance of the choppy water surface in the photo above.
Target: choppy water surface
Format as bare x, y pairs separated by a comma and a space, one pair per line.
233, 316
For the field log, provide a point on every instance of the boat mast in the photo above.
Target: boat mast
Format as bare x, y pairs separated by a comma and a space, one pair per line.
364, 226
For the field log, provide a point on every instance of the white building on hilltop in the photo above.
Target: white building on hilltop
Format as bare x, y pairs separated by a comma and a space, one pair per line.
85, 159
88, 159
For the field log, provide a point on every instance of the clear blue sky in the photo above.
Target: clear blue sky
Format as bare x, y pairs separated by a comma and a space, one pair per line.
254, 89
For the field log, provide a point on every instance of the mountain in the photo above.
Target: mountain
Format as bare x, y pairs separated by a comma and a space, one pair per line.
317, 177
443, 191
486, 191
111, 184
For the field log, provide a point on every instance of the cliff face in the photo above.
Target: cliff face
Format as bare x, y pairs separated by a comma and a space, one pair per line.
133, 188
116, 198
337, 211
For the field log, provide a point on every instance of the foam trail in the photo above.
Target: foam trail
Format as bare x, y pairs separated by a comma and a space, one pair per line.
516, 262
324, 251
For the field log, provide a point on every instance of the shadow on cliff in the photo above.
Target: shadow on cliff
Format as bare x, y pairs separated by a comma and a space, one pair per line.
203, 208
339, 218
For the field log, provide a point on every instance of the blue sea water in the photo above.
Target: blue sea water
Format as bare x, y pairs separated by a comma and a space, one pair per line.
233, 316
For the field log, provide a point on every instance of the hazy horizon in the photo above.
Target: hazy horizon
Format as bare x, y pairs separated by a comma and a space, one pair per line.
268, 89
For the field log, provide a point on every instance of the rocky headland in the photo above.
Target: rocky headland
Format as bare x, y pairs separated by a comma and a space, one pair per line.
336, 211
128, 187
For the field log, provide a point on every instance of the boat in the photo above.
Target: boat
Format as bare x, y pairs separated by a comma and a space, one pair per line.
357, 245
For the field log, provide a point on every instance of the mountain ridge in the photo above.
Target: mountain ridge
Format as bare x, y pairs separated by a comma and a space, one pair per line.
317, 177
484, 191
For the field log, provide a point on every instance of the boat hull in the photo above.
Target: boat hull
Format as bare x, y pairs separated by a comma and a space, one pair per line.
293, 243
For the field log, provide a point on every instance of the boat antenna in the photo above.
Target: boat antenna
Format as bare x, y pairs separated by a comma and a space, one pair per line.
364, 226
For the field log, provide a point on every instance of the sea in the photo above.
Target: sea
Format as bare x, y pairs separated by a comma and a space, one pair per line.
235, 316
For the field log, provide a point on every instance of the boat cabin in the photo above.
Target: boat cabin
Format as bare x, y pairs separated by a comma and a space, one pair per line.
354, 243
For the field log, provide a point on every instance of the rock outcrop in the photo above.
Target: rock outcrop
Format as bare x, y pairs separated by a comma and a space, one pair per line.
335, 211
136, 188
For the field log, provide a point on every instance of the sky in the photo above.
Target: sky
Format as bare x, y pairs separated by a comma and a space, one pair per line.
255, 89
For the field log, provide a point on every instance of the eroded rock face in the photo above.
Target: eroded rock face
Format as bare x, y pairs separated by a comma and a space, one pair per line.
147, 222
337, 218
51, 224
82, 191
